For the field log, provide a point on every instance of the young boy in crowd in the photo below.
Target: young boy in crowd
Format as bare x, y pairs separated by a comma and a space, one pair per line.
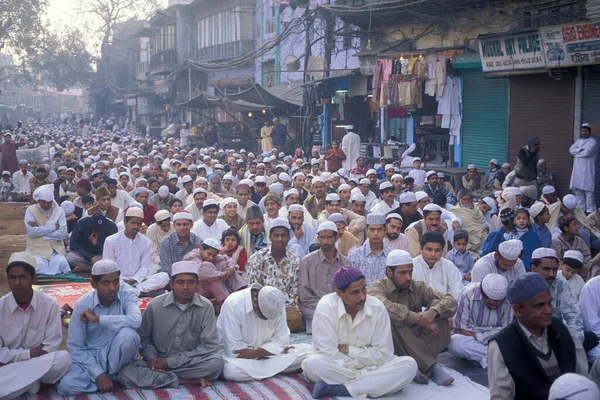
417, 173
6, 187
570, 266
541, 215
459, 255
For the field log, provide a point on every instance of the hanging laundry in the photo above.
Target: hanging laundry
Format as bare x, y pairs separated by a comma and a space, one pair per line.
449, 106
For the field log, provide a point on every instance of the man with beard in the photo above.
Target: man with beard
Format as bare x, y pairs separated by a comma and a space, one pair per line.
316, 202
408, 210
352, 344
394, 239
21, 179
528, 196
195, 209
483, 311
167, 360
46, 227
432, 188
302, 233
253, 235
472, 220
102, 333
544, 261
416, 333
504, 261
317, 270
387, 202
104, 206
431, 222
156, 232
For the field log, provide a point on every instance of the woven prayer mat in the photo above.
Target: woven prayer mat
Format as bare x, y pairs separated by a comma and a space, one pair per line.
64, 278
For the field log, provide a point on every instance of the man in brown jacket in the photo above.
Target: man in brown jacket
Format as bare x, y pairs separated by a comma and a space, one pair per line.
419, 334
104, 206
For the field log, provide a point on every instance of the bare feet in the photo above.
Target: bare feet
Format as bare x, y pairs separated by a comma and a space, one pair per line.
204, 383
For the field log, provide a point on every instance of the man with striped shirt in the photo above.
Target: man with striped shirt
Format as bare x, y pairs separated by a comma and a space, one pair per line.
482, 312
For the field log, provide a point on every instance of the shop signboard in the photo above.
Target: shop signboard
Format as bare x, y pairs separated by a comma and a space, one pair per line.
571, 45
511, 53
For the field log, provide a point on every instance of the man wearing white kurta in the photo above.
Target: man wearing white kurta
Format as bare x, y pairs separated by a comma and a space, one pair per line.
584, 153
133, 253
210, 226
156, 232
30, 333
255, 335
439, 273
353, 351
482, 312
351, 148
46, 227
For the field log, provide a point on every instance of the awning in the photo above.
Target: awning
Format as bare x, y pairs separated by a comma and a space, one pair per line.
272, 97
205, 100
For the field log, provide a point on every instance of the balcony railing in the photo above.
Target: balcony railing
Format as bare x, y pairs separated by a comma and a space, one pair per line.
163, 62
225, 51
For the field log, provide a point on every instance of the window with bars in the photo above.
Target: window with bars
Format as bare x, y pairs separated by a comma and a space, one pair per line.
553, 13
220, 28
268, 73
164, 39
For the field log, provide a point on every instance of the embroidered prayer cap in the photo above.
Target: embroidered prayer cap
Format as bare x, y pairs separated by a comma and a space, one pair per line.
420, 195
573, 258
45, 193
511, 249
398, 257
288, 193
22, 257
279, 222
428, 174
529, 191
570, 202
271, 302
184, 267
407, 198
332, 197
336, 217
390, 216
507, 215
182, 214
163, 191
272, 196
162, 215
212, 243
375, 219
296, 207
573, 387
548, 190
525, 287
254, 212
536, 209
494, 286
226, 201
432, 207
104, 267
385, 186
357, 197
346, 275
543, 252
327, 226
276, 188
68, 207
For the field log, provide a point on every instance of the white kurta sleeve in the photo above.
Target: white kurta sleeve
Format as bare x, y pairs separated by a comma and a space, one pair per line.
382, 345
229, 324
281, 336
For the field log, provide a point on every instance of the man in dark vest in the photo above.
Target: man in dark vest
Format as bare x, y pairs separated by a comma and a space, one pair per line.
527, 356
105, 207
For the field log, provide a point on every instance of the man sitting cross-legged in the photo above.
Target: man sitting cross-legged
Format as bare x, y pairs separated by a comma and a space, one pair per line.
179, 337
30, 333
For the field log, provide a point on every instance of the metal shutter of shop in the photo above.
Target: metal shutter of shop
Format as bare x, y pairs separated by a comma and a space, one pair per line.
590, 111
485, 119
541, 106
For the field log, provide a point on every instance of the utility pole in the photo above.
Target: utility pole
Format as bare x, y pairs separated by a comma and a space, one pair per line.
329, 46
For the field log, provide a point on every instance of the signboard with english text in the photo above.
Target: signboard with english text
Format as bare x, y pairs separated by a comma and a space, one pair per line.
571, 45
512, 53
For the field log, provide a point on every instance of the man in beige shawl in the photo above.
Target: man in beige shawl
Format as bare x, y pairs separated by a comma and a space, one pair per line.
473, 221
156, 233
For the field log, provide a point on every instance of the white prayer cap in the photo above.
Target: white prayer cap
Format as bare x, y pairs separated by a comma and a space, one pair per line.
570, 202
314, 161
389, 166
332, 197
529, 191
327, 226
364, 181
271, 302
395, 176
494, 286
574, 387
251, 155
385, 185
393, 215
471, 166
494, 161
343, 186
336, 217
541, 161
228, 177
260, 179
543, 252
246, 182
162, 215
201, 179
297, 174
325, 175
219, 166
184, 267
490, 202
511, 249
212, 243
421, 195
279, 222
358, 197
62, 168
187, 179
371, 172
228, 200
440, 174
124, 173
288, 193
342, 172
198, 190
134, 212
296, 207
375, 219
432, 207
276, 188
398, 257
23, 257
208, 203
574, 254
136, 204
505, 165
68, 207
407, 197
586, 125
536, 209
44, 192
416, 159
548, 190
513, 190
139, 190
163, 191
284, 177
182, 214
104, 267
428, 174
